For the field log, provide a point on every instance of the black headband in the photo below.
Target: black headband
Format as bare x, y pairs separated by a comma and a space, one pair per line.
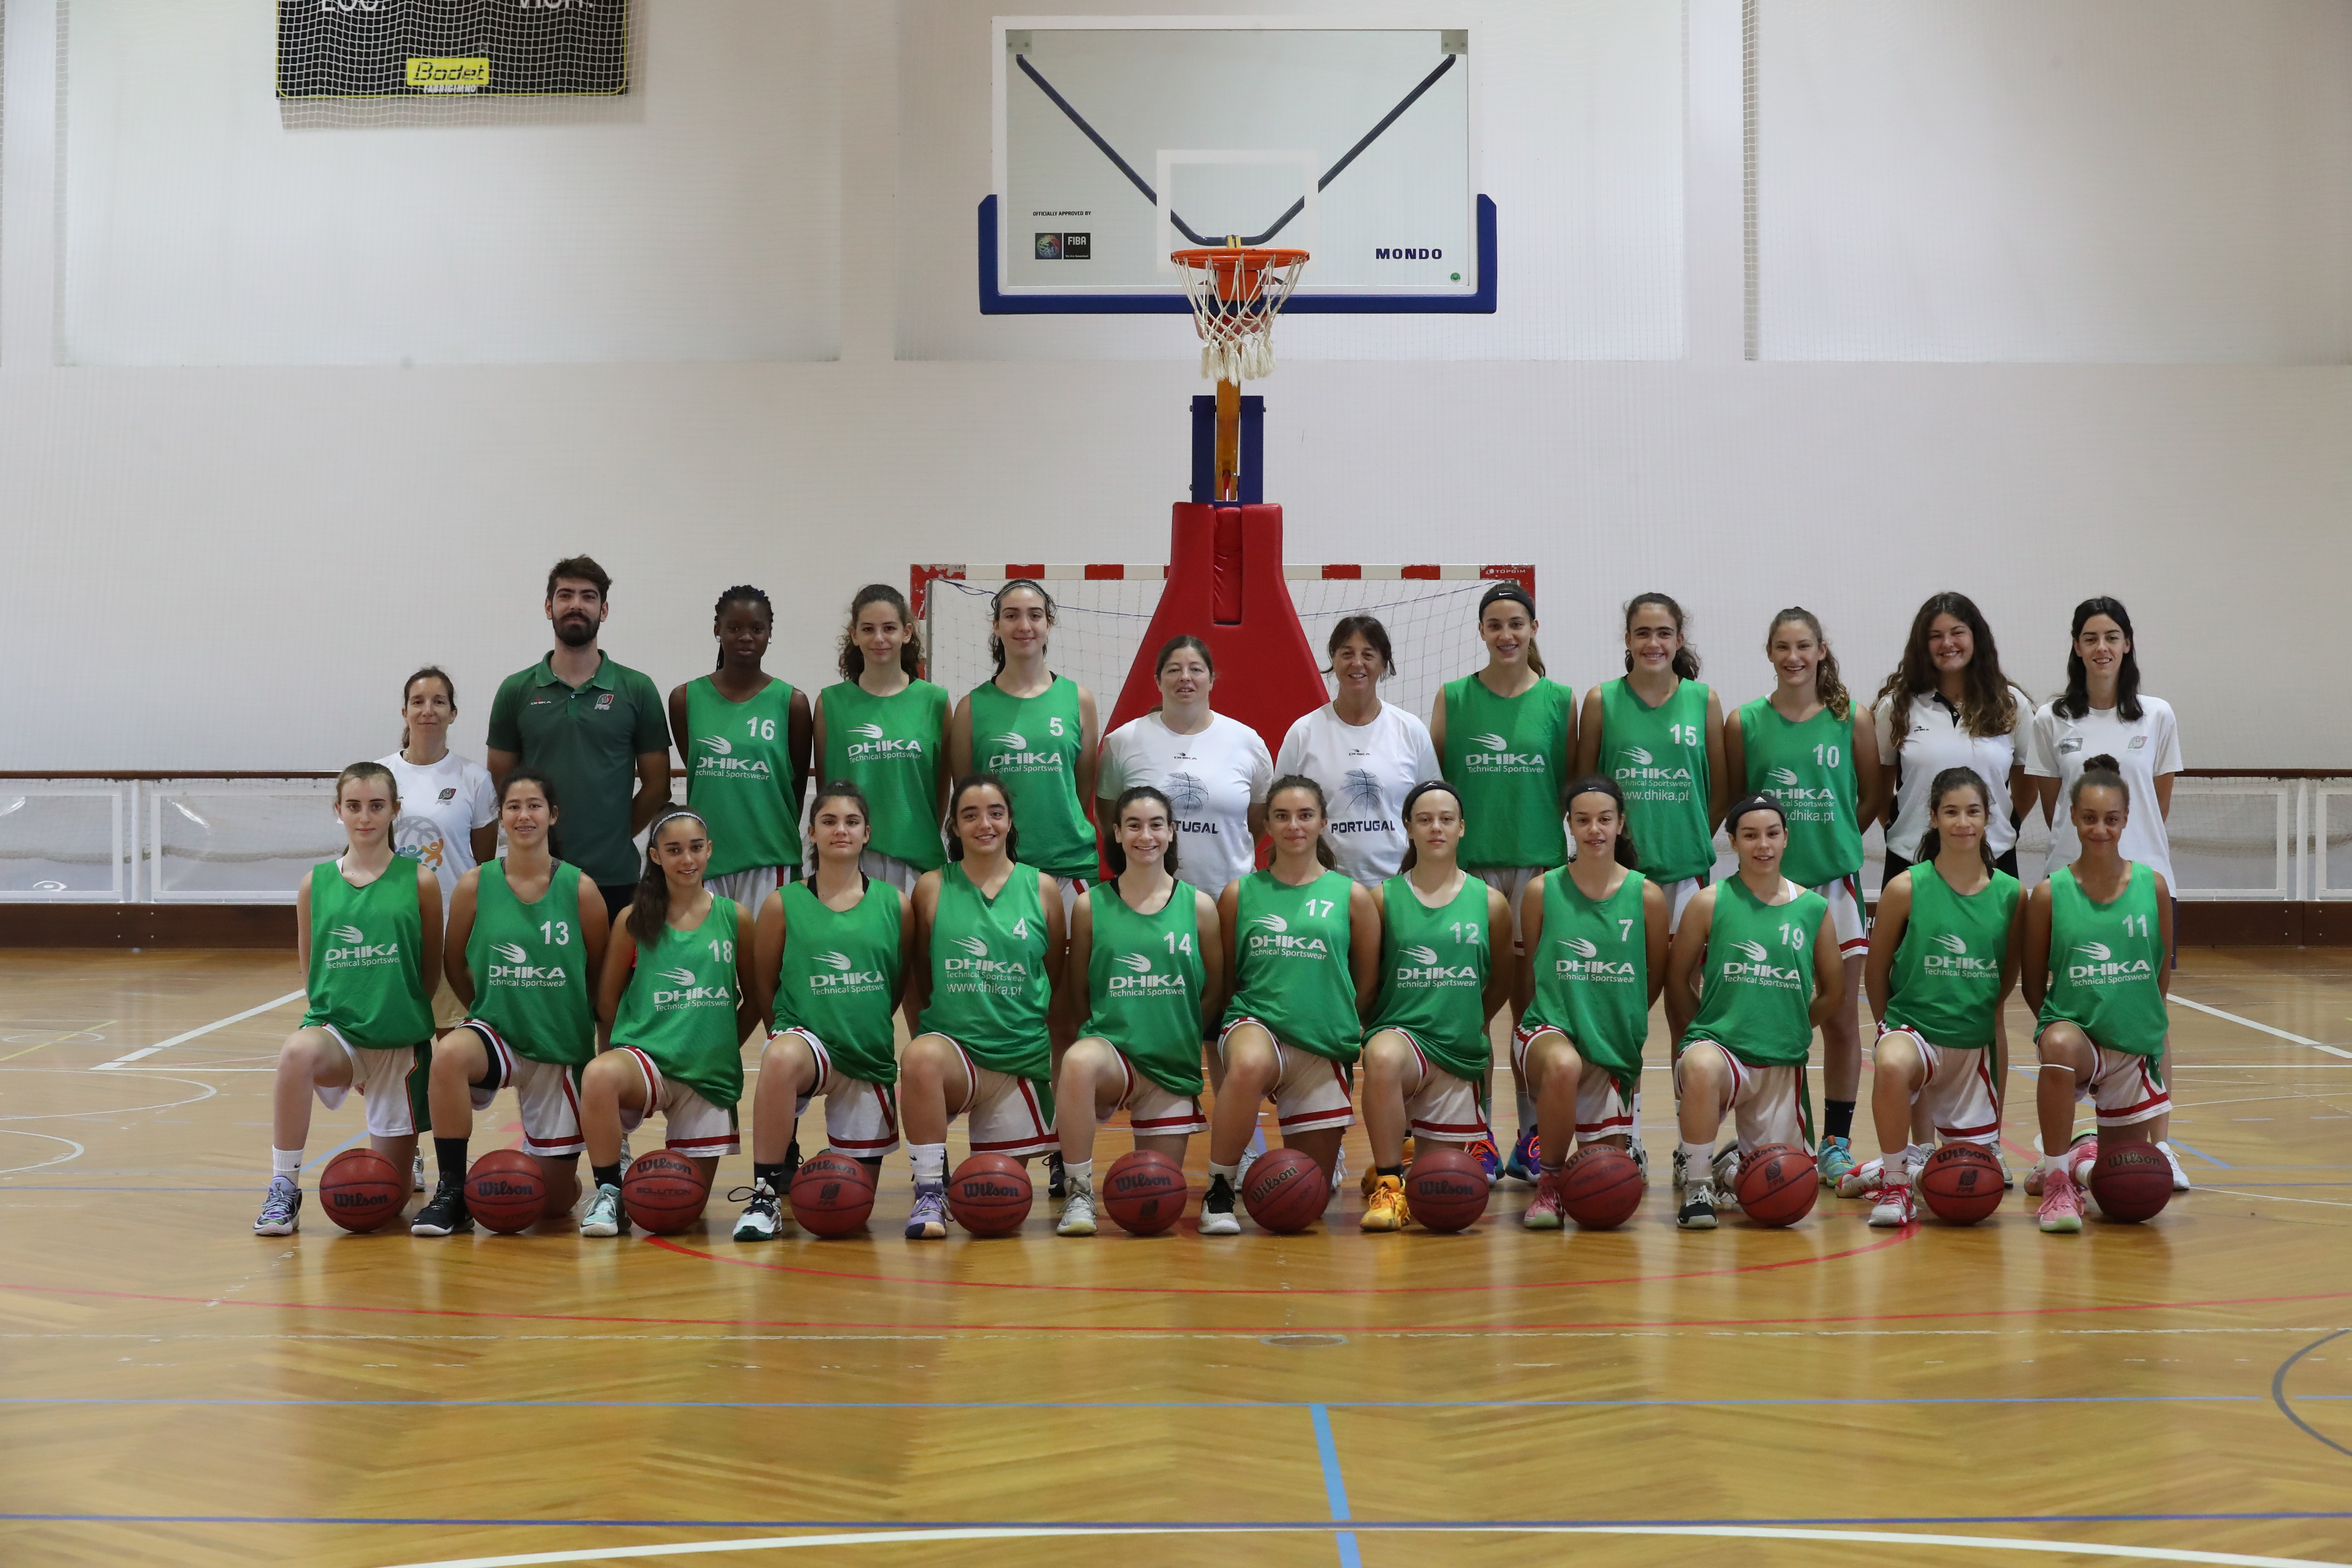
1507, 590
1758, 801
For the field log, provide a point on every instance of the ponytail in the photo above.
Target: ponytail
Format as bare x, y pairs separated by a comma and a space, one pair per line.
1405, 818
1827, 683
1517, 594
1931, 843
650, 905
1598, 784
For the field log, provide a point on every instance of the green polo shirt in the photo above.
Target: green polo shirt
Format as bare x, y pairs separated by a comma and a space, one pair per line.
587, 740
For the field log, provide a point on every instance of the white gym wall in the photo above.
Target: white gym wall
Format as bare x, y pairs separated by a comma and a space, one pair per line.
2049, 302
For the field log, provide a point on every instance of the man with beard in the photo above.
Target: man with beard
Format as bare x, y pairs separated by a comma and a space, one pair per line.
592, 725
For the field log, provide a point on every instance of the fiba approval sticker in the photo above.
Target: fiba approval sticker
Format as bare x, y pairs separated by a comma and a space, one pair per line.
450, 73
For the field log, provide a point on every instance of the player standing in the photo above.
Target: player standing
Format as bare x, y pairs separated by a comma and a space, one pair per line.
1366, 755
448, 817
883, 728
745, 738
1213, 770
1947, 705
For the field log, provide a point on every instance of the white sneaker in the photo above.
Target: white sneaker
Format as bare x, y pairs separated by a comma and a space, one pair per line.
1241, 1171
604, 1217
1216, 1221
416, 1173
763, 1217
1641, 1161
1682, 1171
1079, 1210
1339, 1171
1892, 1209
2180, 1176
1863, 1180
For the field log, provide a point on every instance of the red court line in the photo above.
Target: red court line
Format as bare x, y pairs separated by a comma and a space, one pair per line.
1288, 1328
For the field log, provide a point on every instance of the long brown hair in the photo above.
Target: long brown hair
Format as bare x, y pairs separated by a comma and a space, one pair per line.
1827, 683
1931, 843
1987, 705
1323, 856
650, 905
1685, 657
911, 652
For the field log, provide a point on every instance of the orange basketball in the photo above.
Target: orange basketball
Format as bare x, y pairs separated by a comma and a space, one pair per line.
360, 1189
831, 1195
1285, 1191
1778, 1184
1960, 1184
990, 1195
663, 1192
1601, 1187
1446, 1189
506, 1192
1144, 1192
2132, 1182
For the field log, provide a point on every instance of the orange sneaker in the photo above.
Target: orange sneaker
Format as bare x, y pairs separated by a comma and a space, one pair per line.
1386, 1211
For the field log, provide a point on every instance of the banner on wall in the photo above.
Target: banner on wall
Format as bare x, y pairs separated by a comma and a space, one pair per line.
415, 49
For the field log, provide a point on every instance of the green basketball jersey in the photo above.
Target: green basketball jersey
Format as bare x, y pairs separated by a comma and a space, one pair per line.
2104, 960
1946, 982
891, 747
1808, 768
1592, 973
1658, 757
839, 976
738, 776
529, 970
1434, 969
1291, 962
1144, 980
989, 985
679, 1007
1509, 758
1031, 743
367, 961
1757, 994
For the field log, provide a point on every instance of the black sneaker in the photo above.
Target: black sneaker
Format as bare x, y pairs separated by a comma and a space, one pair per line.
1058, 1185
1217, 1216
1698, 1206
445, 1214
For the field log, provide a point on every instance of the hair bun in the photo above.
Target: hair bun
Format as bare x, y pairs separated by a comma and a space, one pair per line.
2102, 761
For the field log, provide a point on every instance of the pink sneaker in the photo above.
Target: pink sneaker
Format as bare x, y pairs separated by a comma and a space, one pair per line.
2081, 1156
2062, 1204
1545, 1213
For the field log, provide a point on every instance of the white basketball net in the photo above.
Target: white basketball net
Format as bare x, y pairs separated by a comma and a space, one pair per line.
1236, 298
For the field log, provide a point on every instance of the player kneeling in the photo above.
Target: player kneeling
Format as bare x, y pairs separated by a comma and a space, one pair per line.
368, 927
1772, 972
1943, 954
1144, 947
1426, 1051
526, 932
831, 957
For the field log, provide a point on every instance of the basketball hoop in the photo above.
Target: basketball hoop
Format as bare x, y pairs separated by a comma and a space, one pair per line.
1236, 292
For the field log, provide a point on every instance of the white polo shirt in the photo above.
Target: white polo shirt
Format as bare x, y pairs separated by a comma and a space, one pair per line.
2143, 750
1936, 740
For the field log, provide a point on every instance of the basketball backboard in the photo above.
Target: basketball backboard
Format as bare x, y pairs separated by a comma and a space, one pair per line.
1119, 139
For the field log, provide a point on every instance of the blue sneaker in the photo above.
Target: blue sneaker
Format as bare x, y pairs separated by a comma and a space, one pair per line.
1834, 1159
1489, 1158
1525, 1163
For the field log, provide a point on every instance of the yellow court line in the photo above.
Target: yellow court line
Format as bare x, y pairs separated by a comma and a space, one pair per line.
69, 1035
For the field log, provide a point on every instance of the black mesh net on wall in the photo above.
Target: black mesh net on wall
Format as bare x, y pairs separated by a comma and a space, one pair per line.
416, 48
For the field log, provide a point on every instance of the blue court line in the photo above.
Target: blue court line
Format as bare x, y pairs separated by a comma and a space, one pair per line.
2184, 1143
1299, 1526
1161, 1404
1335, 1486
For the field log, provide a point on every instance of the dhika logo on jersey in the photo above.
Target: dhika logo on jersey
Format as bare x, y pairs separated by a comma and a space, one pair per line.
1758, 968
1273, 935
845, 976
1588, 964
1496, 757
1012, 756
516, 968
687, 993
1792, 789
1955, 959
1424, 969
717, 745
350, 949
872, 744
2097, 964
1638, 766
1140, 981
719, 759
979, 965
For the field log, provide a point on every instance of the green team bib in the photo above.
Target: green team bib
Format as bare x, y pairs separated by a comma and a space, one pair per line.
529, 969
679, 1007
1946, 982
1144, 980
738, 776
1291, 952
1756, 996
1592, 973
1509, 758
367, 961
1031, 743
1658, 757
2104, 960
839, 976
1808, 768
989, 985
891, 748
1434, 969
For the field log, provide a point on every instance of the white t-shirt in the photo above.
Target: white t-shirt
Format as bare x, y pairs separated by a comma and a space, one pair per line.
1936, 742
2145, 751
1211, 779
440, 807
1366, 771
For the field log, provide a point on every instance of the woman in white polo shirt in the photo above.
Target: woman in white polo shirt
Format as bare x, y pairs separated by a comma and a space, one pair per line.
1366, 753
1947, 705
2104, 712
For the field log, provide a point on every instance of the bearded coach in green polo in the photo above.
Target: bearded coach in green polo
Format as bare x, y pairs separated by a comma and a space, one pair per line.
592, 725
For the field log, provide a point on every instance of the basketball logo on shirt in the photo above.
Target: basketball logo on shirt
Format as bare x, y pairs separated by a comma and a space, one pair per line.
419, 838
1186, 792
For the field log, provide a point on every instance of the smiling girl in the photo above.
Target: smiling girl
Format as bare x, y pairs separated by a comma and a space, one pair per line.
883, 729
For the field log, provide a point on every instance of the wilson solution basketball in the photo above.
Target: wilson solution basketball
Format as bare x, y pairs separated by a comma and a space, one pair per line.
1285, 1191
1143, 1191
663, 1193
505, 1192
2132, 1182
1778, 1184
1446, 1189
990, 1195
360, 1190
832, 1195
1960, 1184
1599, 1187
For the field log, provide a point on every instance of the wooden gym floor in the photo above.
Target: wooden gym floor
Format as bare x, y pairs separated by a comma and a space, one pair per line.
179, 1392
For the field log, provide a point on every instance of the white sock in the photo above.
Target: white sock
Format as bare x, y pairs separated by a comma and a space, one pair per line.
1080, 1172
286, 1162
930, 1161
1698, 1159
1526, 1111
1231, 1173
1895, 1172
1257, 1139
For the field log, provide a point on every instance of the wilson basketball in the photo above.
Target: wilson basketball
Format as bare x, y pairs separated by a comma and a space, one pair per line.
2132, 1182
1446, 1189
505, 1192
832, 1195
1960, 1184
360, 1189
1778, 1184
1601, 1187
990, 1195
1285, 1191
1144, 1192
663, 1192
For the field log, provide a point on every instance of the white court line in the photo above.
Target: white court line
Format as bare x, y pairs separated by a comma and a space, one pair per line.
2266, 1028
1743, 1532
191, 1034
